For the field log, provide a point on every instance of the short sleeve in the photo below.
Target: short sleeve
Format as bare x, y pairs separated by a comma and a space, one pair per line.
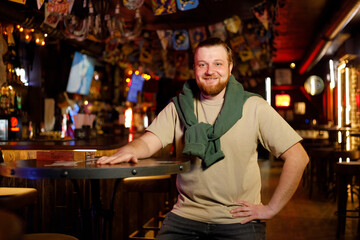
275, 133
163, 126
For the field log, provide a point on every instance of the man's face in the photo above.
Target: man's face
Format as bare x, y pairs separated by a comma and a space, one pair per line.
212, 70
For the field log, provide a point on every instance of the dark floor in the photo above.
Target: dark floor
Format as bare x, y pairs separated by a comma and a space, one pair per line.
302, 218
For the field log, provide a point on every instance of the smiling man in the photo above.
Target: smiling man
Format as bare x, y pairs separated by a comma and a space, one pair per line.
213, 69
219, 125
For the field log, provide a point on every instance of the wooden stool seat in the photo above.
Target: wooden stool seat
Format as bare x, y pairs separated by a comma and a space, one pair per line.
150, 184
13, 198
11, 226
147, 184
48, 236
23, 202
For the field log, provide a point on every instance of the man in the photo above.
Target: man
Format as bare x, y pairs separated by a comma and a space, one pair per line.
219, 124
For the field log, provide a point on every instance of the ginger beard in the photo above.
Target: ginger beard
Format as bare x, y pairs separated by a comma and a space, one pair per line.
212, 89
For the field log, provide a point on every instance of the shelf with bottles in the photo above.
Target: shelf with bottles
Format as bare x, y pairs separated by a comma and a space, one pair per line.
10, 100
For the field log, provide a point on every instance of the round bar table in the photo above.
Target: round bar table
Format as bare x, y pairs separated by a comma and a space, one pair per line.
36, 169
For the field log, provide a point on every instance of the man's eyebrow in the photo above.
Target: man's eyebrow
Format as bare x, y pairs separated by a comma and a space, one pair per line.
215, 60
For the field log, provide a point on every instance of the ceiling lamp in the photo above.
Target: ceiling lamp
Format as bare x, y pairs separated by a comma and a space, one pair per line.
327, 37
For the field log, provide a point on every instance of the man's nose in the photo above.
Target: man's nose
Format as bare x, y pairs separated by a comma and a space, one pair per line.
209, 70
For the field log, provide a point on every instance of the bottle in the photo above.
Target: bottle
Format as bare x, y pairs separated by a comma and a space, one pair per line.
11, 104
4, 100
18, 102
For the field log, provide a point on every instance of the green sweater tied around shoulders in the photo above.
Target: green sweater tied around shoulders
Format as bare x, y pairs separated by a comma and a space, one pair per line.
203, 139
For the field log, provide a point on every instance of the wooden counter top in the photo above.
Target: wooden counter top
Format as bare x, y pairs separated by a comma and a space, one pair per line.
98, 143
21, 150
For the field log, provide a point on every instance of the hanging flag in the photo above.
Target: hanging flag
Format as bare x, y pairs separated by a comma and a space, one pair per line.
233, 24
218, 30
40, 3
180, 40
19, 1
165, 37
162, 7
185, 5
133, 4
197, 35
261, 13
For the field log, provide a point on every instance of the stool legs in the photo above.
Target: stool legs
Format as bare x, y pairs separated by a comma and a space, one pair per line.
342, 201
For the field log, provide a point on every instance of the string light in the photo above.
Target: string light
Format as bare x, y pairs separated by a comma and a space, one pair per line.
30, 34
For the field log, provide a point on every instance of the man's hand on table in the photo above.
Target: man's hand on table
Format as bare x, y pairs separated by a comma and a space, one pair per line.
117, 158
142, 147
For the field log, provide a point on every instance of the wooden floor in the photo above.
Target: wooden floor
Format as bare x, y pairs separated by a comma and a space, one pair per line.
302, 218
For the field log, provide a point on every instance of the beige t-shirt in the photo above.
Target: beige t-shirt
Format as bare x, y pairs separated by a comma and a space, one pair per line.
208, 195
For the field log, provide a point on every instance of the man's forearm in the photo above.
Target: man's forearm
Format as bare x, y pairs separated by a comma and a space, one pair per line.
139, 147
296, 160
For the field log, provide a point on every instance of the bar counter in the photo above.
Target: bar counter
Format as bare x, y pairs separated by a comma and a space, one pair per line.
26, 149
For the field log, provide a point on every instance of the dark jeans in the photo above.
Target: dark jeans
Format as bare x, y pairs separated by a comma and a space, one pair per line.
176, 227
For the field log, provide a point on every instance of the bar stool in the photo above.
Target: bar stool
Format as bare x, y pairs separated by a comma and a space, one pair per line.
322, 162
141, 185
20, 200
345, 171
11, 226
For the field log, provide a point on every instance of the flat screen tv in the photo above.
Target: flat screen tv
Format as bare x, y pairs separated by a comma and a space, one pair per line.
137, 83
81, 73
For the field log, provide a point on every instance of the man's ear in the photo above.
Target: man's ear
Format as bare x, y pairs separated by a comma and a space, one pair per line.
231, 66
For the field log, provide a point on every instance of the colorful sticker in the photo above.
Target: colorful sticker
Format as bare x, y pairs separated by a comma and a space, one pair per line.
252, 40
62, 6
262, 34
218, 30
197, 35
133, 4
237, 43
246, 54
145, 55
233, 24
180, 40
185, 5
162, 7
51, 18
